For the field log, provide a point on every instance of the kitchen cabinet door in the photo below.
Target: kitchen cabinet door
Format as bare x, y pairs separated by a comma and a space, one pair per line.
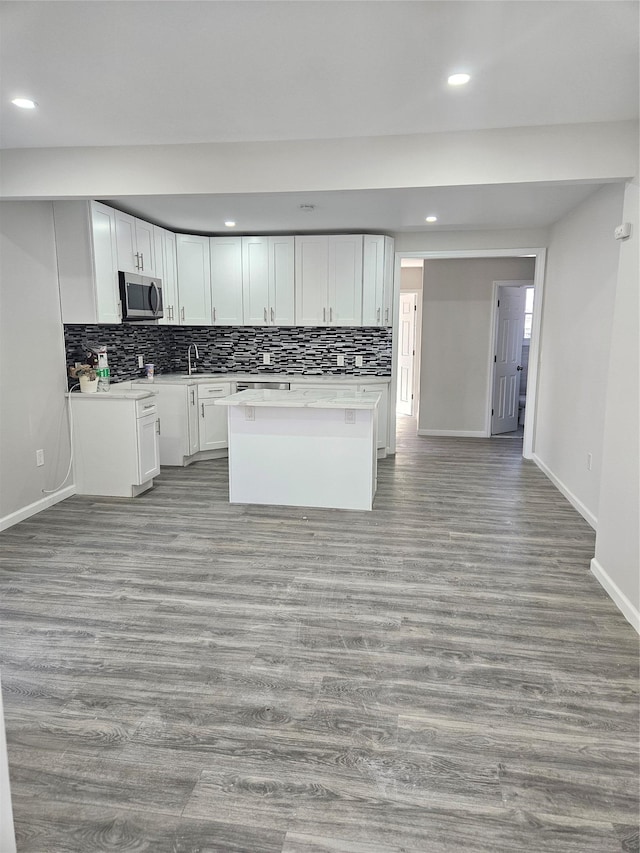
311, 277
389, 272
194, 279
226, 280
148, 453
255, 281
193, 423
281, 281
135, 240
87, 262
268, 281
167, 271
373, 279
213, 419
344, 290
383, 412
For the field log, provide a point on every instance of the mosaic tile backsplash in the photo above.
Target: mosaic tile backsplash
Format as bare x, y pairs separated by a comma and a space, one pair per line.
235, 349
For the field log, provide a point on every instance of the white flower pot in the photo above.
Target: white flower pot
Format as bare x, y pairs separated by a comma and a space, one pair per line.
88, 386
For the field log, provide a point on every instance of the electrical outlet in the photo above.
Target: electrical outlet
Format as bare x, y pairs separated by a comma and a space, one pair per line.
349, 416
340, 360
140, 361
39, 458
359, 361
589, 461
250, 413
266, 358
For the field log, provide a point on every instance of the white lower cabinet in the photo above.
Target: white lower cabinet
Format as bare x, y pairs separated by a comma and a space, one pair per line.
115, 444
191, 425
213, 430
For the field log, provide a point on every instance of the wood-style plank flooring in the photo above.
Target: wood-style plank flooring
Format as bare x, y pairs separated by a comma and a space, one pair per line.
440, 674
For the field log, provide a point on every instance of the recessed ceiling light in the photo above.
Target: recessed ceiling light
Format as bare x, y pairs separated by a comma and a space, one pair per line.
24, 103
458, 79
431, 219
230, 223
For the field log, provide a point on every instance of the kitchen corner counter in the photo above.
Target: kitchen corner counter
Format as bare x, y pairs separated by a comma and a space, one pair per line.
114, 393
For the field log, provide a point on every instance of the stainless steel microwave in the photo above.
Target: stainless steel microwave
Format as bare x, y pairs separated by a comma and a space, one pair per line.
141, 296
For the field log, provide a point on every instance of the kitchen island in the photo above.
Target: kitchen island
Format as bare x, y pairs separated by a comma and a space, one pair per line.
303, 448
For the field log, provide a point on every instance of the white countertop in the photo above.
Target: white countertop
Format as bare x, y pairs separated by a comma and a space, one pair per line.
199, 378
114, 393
271, 398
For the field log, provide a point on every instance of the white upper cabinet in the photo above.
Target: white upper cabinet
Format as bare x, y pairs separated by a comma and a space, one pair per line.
194, 280
268, 281
344, 291
389, 272
328, 282
167, 272
136, 244
377, 280
312, 274
87, 262
226, 280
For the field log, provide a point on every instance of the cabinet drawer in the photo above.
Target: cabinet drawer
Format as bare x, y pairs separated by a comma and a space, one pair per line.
208, 392
146, 407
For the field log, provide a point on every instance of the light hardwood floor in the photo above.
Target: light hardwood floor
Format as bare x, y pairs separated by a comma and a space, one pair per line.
440, 674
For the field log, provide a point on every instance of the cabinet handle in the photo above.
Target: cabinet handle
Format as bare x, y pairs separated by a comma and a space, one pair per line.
158, 426
324, 315
150, 406
214, 315
193, 397
265, 314
141, 261
386, 316
202, 409
272, 315
182, 313
331, 315
378, 316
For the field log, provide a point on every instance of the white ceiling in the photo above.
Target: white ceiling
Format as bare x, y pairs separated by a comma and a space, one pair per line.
119, 73
457, 208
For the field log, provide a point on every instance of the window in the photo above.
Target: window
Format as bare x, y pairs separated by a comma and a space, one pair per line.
528, 312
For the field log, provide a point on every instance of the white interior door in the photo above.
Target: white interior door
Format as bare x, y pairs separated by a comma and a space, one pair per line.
406, 352
507, 358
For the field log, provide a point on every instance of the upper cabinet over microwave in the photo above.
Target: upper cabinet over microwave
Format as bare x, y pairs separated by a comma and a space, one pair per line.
136, 245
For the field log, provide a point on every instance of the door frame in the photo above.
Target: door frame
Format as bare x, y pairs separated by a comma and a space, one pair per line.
493, 335
539, 253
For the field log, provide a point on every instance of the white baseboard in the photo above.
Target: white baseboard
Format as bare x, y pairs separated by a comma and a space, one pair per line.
624, 605
455, 433
575, 502
36, 507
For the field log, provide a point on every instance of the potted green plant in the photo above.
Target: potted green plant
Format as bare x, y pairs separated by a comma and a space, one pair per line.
87, 377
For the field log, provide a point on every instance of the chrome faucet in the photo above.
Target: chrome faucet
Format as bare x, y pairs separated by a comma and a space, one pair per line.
197, 356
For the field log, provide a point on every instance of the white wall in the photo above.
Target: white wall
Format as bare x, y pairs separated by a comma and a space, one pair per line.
617, 559
456, 329
32, 362
577, 315
411, 278
577, 152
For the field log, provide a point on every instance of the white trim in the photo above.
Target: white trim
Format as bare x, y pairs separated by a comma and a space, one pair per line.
575, 502
624, 605
455, 433
36, 507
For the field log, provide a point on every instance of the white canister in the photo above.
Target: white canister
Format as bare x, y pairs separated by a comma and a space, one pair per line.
88, 386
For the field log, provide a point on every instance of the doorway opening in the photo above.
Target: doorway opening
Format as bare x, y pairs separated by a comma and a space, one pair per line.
528, 413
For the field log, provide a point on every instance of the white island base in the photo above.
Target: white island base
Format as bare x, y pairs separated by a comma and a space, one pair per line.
318, 453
